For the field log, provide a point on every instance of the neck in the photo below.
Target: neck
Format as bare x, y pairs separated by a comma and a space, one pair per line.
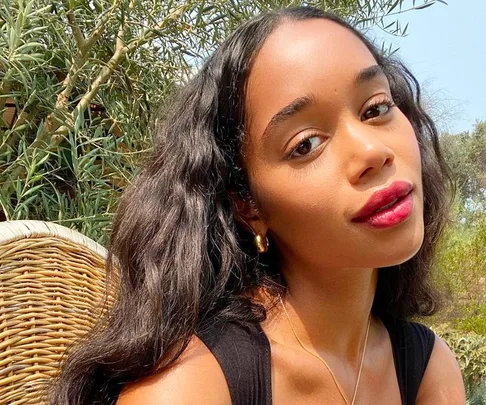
328, 313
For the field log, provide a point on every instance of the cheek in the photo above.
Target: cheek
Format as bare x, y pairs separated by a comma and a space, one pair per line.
409, 139
408, 149
306, 218
299, 202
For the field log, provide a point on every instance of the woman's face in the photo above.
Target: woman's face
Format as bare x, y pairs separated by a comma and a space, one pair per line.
308, 191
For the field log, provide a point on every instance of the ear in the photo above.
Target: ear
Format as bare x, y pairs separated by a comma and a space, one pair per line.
246, 213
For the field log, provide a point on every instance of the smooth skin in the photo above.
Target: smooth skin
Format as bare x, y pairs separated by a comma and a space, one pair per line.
308, 192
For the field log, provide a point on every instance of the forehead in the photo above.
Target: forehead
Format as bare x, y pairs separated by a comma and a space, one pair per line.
301, 57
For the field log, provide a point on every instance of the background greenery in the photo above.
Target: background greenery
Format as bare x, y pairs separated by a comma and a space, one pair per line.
84, 81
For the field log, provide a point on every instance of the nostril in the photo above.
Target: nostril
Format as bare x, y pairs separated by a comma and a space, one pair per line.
366, 171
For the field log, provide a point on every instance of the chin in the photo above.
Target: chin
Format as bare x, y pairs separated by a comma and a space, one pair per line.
408, 243
402, 255
396, 252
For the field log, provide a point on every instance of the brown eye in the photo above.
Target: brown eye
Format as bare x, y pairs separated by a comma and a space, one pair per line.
306, 146
378, 110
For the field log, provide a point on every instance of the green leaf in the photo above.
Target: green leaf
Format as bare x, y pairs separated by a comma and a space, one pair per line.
25, 203
32, 190
404, 32
398, 2
423, 6
34, 57
216, 19
29, 46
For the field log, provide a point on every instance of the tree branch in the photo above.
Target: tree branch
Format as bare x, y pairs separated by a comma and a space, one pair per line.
78, 34
100, 28
103, 76
5, 89
56, 126
153, 32
84, 47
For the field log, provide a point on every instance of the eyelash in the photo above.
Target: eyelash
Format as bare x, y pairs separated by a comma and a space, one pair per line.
387, 102
306, 137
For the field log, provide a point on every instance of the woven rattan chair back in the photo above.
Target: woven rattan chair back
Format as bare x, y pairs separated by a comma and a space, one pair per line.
52, 287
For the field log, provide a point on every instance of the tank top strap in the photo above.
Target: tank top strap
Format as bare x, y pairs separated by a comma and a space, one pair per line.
412, 345
243, 353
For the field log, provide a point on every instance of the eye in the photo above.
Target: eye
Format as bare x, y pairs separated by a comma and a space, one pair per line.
378, 109
306, 146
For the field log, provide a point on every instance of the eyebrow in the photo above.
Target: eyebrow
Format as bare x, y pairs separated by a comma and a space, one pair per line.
301, 103
369, 73
290, 110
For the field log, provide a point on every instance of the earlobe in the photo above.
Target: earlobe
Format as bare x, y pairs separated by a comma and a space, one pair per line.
247, 214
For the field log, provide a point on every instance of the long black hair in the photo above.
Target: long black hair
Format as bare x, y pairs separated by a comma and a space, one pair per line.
181, 258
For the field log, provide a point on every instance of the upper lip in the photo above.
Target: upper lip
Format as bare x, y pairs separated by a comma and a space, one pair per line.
383, 197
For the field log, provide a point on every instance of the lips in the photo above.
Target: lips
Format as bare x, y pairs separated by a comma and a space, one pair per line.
384, 198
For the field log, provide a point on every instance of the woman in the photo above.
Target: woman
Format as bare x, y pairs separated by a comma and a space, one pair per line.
278, 242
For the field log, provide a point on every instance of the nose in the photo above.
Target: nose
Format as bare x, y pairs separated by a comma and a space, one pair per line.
365, 151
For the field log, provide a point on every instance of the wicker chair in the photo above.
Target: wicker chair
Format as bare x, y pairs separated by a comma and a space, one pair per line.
52, 285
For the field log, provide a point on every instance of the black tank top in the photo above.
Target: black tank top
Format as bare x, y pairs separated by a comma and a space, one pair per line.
243, 353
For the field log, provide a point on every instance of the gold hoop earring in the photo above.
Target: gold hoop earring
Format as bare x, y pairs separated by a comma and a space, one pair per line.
261, 243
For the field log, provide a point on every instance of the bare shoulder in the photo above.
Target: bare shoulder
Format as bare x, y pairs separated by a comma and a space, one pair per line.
442, 383
196, 378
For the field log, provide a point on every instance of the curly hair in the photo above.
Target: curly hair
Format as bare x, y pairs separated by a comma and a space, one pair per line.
183, 260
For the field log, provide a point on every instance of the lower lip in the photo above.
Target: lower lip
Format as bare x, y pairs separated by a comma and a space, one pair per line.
392, 216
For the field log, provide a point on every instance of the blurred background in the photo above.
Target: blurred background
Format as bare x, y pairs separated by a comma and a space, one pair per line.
83, 82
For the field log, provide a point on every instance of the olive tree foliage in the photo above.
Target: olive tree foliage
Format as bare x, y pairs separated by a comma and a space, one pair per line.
82, 82
461, 261
470, 351
466, 154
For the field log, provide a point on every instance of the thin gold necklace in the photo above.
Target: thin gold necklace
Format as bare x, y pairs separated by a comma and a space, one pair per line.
324, 362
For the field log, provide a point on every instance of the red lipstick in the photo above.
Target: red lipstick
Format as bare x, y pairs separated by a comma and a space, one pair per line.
387, 207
